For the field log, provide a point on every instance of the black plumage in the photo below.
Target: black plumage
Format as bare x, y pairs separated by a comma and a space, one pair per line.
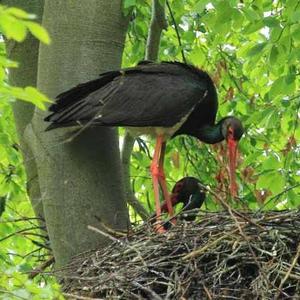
148, 95
190, 192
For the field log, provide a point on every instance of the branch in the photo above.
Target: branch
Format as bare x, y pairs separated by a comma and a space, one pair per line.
288, 273
41, 268
129, 195
157, 24
177, 32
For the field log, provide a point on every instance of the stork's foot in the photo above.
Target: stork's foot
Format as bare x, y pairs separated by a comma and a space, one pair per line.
159, 228
173, 221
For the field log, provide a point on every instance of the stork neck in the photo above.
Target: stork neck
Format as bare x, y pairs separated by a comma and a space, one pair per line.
210, 134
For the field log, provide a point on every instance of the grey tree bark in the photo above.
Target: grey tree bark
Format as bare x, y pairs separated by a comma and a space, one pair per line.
26, 54
81, 179
157, 24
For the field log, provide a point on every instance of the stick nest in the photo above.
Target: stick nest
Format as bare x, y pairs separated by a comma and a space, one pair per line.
220, 256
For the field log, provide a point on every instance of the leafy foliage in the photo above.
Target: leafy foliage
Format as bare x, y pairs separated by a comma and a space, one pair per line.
251, 50
19, 236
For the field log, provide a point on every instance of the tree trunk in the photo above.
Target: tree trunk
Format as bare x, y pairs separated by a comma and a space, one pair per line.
81, 179
26, 54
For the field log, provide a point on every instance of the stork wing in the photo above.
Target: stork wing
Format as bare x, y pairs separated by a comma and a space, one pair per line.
150, 100
148, 95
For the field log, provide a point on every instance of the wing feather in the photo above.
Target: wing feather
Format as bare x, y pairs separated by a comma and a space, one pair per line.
147, 95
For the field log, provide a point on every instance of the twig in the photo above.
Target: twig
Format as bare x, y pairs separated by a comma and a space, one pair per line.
288, 273
113, 232
19, 232
207, 292
177, 32
41, 268
73, 296
150, 292
207, 246
112, 238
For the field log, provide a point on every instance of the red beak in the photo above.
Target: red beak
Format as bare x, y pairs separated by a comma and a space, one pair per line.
232, 149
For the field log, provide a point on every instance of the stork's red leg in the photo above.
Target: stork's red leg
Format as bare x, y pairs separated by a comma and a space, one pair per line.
162, 181
155, 178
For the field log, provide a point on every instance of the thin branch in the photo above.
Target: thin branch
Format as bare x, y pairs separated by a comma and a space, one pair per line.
177, 31
294, 262
157, 24
129, 195
41, 268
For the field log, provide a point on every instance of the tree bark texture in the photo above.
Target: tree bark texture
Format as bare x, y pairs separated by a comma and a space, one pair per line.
80, 180
157, 24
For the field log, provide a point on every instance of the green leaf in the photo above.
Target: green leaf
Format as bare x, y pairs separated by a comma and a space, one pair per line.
273, 54
271, 162
251, 15
277, 183
129, 3
19, 13
200, 6
12, 28
276, 33
284, 85
36, 97
4, 139
294, 198
295, 31
7, 63
273, 181
290, 83
237, 19
263, 181
277, 87
271, 21
38, 31
257, 49
197, 56
29, 94
295, 17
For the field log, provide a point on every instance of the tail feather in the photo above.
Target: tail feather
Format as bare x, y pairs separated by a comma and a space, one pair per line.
79, 92
73, 104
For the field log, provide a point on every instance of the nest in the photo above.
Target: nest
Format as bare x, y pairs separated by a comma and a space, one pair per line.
225, 255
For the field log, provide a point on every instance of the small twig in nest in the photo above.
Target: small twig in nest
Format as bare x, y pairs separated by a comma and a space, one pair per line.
288, 273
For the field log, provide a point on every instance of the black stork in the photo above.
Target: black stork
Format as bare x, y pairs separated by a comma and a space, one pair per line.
191, 193
161, 99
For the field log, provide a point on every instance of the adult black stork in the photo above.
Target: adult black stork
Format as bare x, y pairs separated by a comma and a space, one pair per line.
161, 99
191, 193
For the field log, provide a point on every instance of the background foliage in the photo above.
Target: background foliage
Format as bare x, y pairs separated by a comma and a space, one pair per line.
21, 241
250, 48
